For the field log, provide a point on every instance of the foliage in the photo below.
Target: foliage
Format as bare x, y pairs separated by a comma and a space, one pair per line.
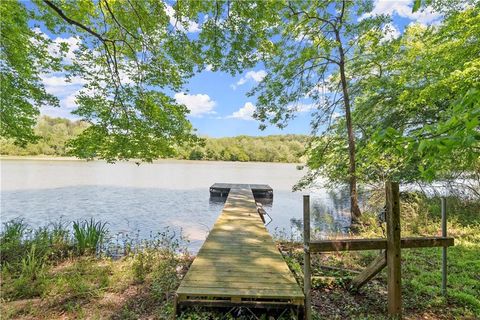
10, 239
421, 268
75, 285
23, 57
89, 235
17, 241
308, 56
417, 106
128, 54
275, 148
32, 265
54, 133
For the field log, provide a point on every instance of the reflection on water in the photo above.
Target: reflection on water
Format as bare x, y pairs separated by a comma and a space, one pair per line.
329, 215
147, 198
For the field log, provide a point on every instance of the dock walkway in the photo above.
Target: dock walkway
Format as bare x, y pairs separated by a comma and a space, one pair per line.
239, 264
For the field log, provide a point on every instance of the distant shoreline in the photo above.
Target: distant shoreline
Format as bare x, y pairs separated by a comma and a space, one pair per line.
40, 157
62, 158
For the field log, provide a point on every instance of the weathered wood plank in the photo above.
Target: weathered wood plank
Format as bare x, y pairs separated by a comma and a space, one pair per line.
266, 284
307, 283
239, 259
394, 273
378, 244
244, 303
233, 277
244, 293
370, 271
258, 190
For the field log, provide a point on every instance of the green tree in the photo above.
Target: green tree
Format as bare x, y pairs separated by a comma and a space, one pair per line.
131, 53
23, 57
419, 107
306, 51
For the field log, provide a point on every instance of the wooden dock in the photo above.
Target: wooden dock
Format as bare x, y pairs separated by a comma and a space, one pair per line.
239, 264
260, 191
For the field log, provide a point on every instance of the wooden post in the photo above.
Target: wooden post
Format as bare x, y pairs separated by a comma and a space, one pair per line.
444, 249
393, 250
307, 274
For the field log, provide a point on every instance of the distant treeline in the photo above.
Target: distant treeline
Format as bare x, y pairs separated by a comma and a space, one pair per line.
55, 132
276, 148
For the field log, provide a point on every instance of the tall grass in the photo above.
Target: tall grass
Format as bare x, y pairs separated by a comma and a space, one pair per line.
89, 235
33, 265
11, 240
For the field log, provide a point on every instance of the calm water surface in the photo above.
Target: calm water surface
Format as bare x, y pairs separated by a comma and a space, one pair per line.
146, 199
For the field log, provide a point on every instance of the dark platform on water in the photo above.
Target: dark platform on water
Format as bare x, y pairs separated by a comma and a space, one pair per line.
260, 191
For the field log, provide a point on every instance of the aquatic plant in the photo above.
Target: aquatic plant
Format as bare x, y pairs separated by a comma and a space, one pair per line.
89, 235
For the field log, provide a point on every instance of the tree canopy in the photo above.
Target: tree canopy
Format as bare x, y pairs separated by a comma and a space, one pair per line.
23, 56
417, 107
384, 106
130, 56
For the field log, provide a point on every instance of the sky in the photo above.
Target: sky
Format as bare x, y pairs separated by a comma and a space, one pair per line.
217, 101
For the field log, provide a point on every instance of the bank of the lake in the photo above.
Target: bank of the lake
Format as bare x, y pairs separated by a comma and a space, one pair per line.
49, 275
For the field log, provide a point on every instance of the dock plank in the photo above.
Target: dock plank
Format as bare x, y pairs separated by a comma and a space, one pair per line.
239, 259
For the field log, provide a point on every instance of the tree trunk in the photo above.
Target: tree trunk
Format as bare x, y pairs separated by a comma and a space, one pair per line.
354, 208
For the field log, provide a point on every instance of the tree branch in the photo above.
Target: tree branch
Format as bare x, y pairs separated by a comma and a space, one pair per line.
76, 23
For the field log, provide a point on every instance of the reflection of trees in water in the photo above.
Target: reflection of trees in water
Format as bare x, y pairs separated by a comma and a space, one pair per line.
329, 214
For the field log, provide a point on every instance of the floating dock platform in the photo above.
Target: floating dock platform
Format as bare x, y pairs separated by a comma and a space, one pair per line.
260, 191
239, 264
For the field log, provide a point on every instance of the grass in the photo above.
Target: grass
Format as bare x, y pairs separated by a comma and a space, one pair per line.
45, 274
421, 268
45, 283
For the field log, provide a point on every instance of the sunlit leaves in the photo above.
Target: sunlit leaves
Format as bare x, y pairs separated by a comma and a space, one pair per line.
131, 54
23, 56
420, 115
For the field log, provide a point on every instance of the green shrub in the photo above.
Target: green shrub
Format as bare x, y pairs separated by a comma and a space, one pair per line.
89, 235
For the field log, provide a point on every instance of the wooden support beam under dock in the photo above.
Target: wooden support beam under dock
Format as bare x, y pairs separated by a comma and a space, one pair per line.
239, 264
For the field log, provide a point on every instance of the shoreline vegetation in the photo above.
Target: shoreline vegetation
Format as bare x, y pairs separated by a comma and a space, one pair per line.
390, 93
54, 134
78, 270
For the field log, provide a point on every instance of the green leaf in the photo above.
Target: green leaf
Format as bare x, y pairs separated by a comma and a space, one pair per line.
416, 5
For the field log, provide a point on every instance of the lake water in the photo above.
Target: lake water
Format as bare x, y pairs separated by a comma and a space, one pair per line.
145, 199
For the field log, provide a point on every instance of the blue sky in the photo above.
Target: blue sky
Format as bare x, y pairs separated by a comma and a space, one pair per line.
217, 101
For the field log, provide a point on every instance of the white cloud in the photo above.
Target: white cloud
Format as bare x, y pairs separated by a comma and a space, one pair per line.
403, 8
198, 104
55, 45
58, 85
68, 103
390, 32
192, 26
255, 76
73, 45
302, 107
245, 112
